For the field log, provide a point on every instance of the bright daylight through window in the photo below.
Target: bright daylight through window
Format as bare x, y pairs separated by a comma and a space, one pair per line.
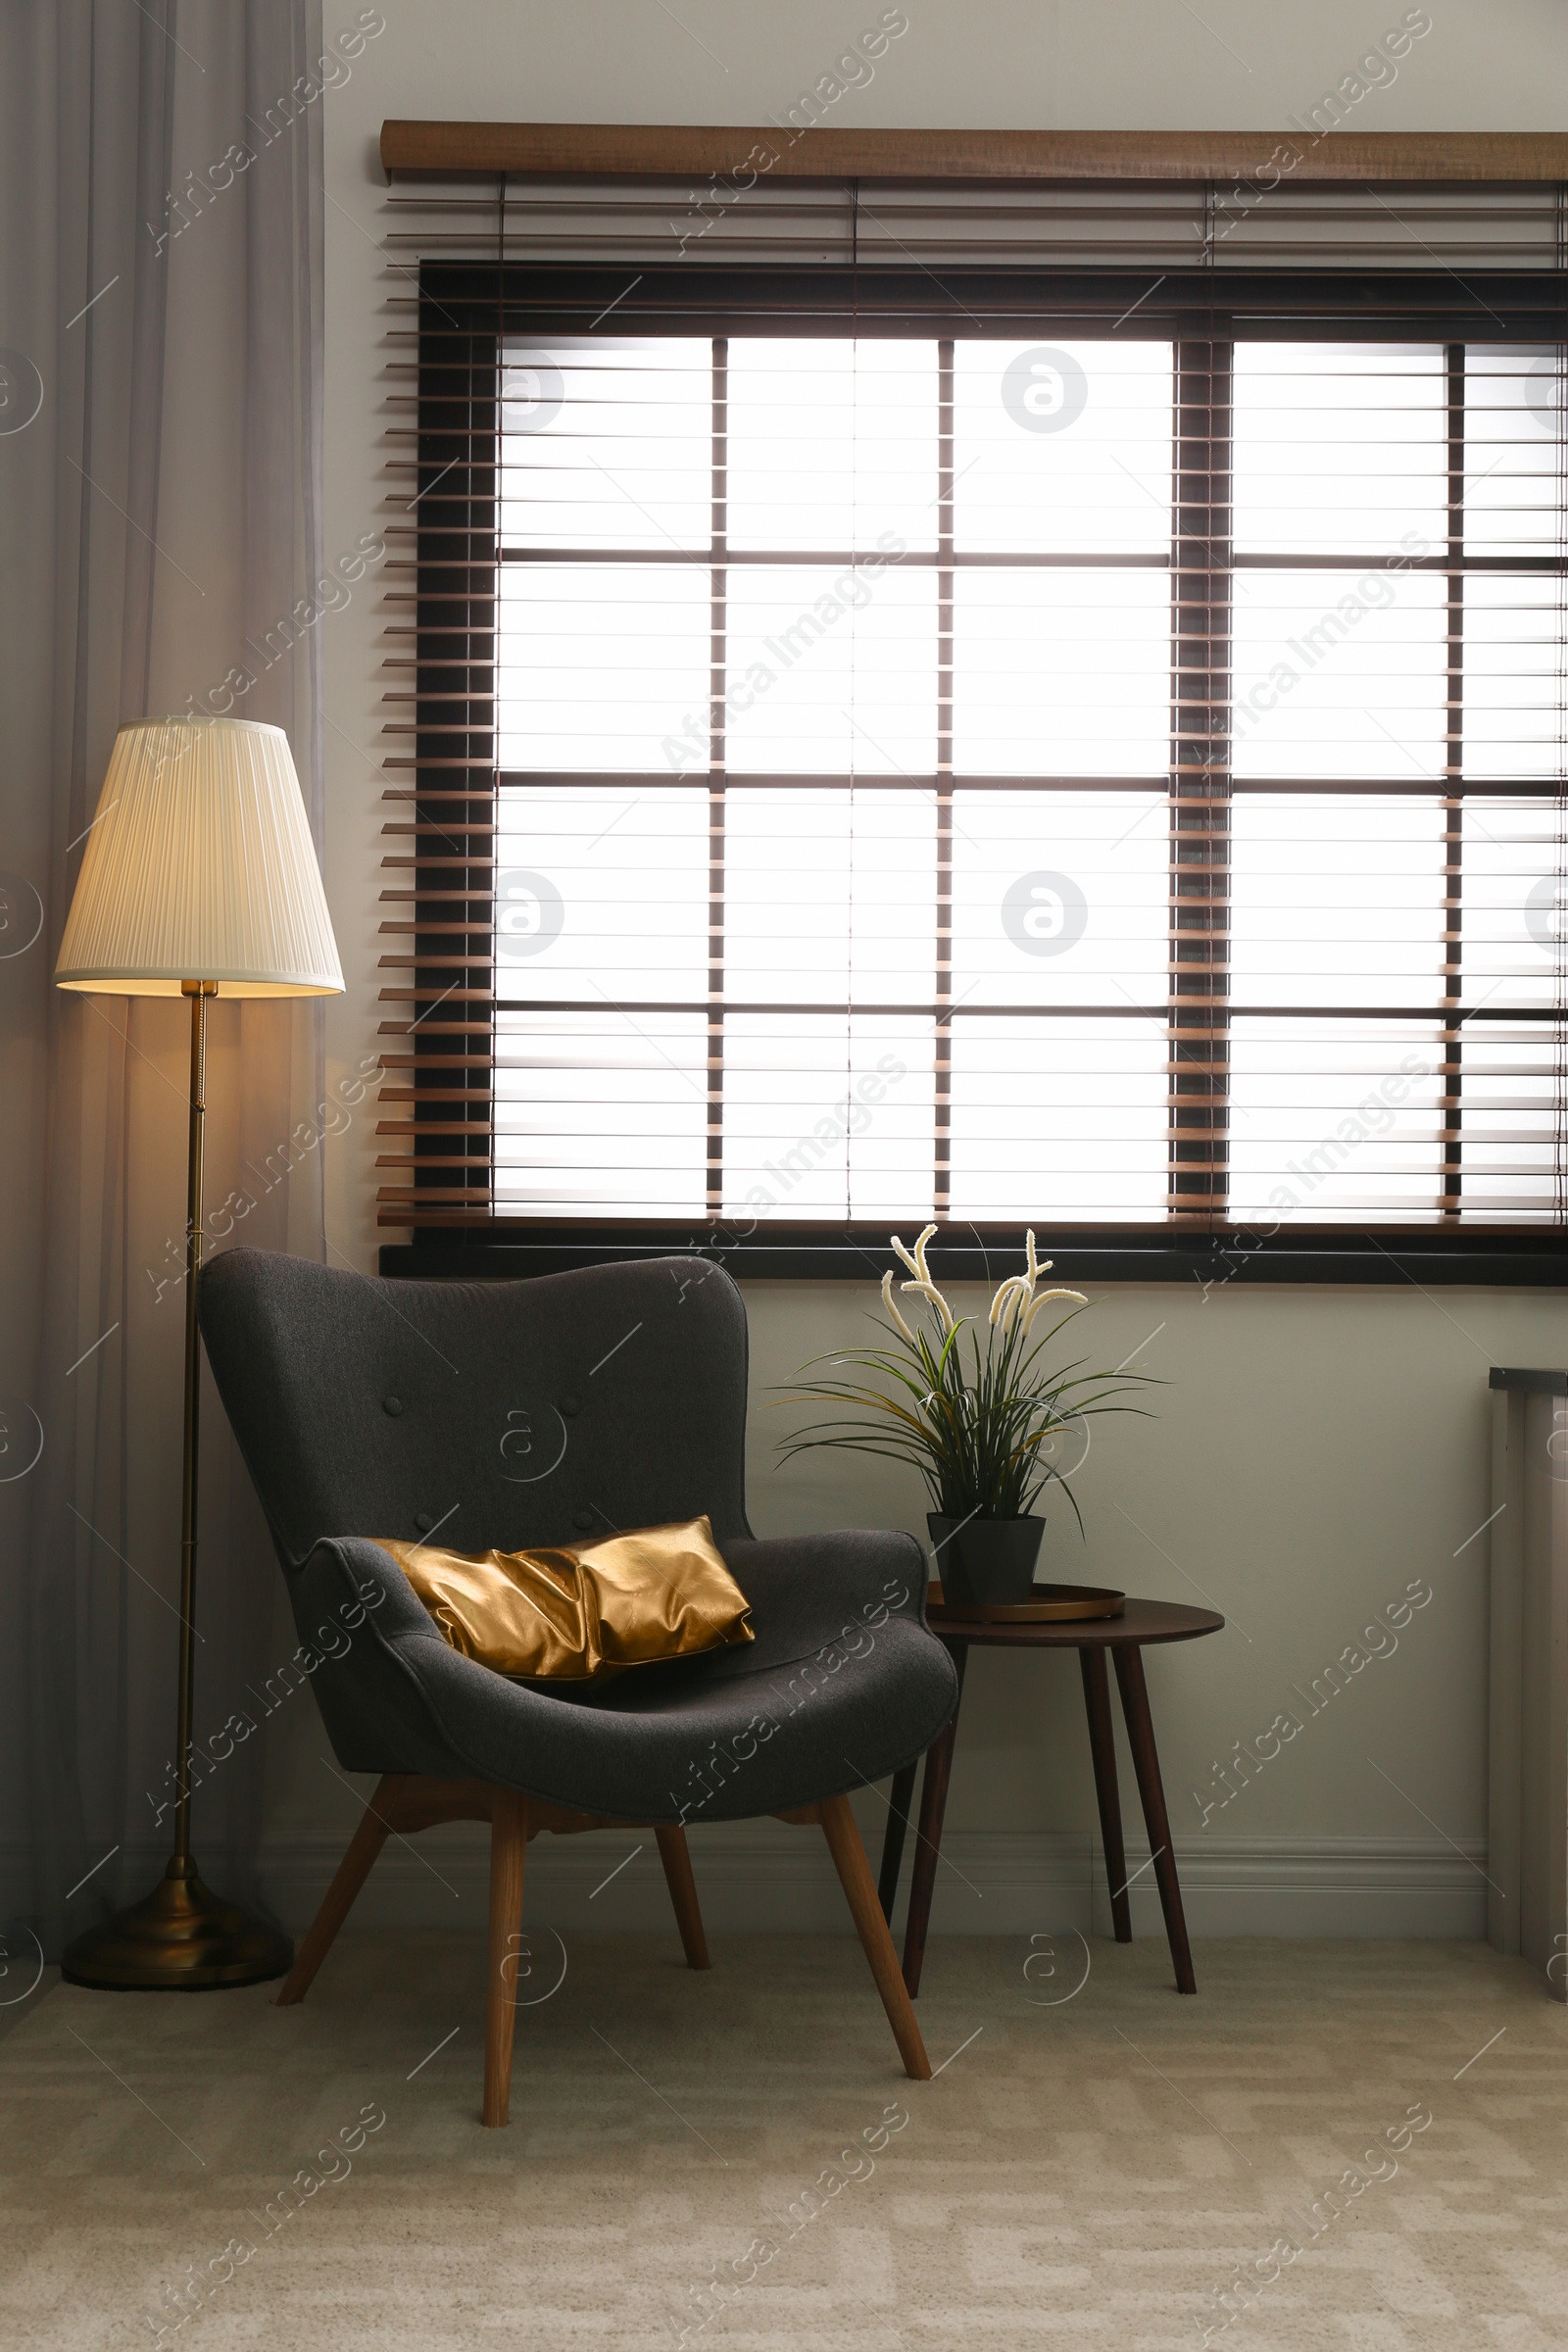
1054, 779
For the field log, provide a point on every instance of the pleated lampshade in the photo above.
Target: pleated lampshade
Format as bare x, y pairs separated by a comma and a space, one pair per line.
200, 866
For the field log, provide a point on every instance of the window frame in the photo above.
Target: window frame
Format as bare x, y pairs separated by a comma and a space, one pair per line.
467, 310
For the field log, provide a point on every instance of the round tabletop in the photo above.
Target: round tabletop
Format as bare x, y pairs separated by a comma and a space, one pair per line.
1141, 1622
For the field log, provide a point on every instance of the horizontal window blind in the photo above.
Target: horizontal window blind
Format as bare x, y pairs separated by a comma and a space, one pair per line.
1023, 744
1242, 223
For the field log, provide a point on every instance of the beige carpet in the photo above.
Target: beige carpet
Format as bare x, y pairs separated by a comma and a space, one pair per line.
1086, 2172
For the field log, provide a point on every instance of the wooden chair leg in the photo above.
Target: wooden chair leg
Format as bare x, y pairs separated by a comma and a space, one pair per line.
843, 1835
508, 1844
338, 1901
677, 1861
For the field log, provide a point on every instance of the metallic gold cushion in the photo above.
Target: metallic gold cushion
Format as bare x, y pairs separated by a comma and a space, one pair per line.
584, 1611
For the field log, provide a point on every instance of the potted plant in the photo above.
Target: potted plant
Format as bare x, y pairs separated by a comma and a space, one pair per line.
978, 1410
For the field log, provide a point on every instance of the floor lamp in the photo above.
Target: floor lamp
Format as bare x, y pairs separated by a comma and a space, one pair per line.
199, 880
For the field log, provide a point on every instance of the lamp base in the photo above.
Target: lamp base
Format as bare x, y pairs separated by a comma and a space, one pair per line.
179, 1939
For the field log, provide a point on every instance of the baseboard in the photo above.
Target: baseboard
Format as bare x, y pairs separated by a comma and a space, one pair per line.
763, 1876
766, 1876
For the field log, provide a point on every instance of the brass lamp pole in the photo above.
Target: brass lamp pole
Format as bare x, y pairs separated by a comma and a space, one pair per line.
198, 991
200, 863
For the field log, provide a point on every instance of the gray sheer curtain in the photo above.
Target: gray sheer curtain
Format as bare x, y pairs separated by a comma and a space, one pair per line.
159, 400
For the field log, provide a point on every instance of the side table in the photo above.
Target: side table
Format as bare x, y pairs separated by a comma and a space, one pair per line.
1125, 1637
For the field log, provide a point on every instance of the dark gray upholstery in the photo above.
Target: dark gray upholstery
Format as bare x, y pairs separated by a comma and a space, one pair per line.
550, 1412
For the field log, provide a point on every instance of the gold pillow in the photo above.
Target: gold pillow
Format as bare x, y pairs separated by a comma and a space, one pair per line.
582, 1611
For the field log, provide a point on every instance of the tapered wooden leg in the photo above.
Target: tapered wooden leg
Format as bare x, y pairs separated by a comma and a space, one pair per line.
1103, 1748
508, 1844
677, 1861
928, 1832
338, 1901
903, 1798
854, 1877
1152, 1791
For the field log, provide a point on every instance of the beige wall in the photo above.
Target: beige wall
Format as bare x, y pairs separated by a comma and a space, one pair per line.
1315, 1451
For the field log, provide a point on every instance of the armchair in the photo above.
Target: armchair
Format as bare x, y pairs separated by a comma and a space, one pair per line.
543, 1412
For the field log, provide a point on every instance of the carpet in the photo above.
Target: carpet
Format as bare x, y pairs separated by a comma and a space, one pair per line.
1353, 2145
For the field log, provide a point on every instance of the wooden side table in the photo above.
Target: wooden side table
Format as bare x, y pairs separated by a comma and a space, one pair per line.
1125, 1637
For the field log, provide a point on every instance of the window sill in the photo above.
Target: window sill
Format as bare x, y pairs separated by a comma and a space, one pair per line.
1395, 1255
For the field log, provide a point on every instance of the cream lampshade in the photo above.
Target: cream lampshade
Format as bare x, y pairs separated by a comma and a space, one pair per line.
200, 866
199, 880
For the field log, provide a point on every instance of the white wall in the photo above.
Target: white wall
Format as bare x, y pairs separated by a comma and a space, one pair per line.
1315, 1451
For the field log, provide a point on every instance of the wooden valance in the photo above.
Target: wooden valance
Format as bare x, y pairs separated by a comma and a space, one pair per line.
686, 151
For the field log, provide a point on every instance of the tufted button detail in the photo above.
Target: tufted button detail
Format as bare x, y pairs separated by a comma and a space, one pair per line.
582, 1519
425, 1521
392, 1406
570, 1405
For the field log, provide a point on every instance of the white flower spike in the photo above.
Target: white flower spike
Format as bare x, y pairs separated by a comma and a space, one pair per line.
907, 1259
914, 1260
929, 1292
921, 1283
1043, 1298
892, 1305
1011, 1296
1015, 1300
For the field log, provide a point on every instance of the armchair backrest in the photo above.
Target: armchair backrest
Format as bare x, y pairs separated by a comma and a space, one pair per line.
551, 1410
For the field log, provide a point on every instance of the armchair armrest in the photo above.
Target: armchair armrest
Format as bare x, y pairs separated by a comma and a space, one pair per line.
812, 1593
356, 1613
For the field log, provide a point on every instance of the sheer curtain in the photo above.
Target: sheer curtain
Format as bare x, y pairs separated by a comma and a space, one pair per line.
159, 460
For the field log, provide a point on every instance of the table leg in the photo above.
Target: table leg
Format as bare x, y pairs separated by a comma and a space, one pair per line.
898, 1805
1151, 1789
1102, 1748
928, 1832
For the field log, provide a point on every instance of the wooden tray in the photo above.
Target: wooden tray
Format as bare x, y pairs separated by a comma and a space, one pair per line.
1051, 1601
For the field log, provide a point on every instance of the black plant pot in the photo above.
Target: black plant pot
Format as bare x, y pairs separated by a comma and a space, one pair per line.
986, 1561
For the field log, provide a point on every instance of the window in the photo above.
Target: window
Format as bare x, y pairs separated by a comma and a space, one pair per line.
983, 760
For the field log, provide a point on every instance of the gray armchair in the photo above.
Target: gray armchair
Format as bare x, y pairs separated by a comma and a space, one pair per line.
550, 1412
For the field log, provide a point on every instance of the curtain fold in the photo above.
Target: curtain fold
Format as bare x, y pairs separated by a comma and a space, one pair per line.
160, 486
